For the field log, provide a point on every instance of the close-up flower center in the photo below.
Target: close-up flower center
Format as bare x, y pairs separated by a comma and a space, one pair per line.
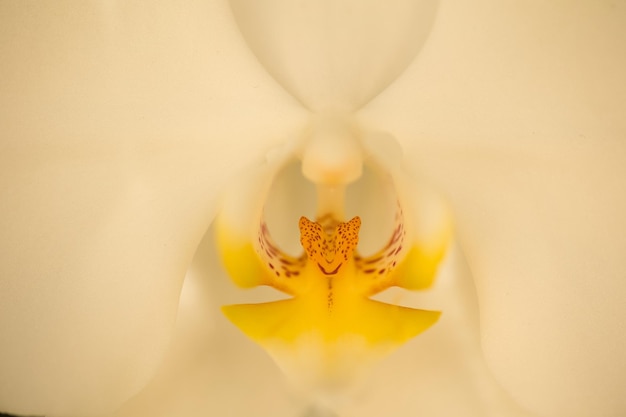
328, 328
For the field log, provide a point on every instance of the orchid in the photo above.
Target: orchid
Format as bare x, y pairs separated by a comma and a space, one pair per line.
126, 126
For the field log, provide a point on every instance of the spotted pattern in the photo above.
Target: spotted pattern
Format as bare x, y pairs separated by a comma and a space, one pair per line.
329, 243
384, 261
280, 264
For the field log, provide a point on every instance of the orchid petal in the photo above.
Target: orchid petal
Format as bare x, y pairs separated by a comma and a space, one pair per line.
335, 54
112, 119
523, 133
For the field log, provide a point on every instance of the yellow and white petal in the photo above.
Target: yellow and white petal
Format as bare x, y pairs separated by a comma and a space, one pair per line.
328, 322
247, 250
330, 314
422, 228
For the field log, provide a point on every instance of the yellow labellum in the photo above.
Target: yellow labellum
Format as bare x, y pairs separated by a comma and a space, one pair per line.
330, 287
328, 329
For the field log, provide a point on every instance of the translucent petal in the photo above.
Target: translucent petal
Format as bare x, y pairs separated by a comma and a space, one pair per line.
247, 248
522, 129
335, 54
119, 123
422, 230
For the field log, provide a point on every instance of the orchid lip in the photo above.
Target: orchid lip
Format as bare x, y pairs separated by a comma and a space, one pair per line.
330, 283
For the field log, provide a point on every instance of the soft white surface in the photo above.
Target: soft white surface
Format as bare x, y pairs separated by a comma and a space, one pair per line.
119, 124
516, 111
335, 54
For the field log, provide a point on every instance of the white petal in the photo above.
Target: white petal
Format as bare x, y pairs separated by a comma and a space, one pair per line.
335, 54
517, 112
119, 125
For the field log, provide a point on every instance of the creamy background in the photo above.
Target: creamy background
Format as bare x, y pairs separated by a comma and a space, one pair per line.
119, 123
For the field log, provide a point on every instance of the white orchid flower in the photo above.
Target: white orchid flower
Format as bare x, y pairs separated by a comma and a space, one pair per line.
122, 124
